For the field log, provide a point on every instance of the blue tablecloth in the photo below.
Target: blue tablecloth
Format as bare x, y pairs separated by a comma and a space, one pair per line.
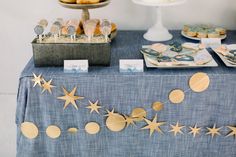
123, 92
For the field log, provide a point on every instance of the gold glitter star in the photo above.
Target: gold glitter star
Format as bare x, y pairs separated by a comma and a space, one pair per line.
70, 98
213, 131
110, 113
233, 131
94, 107
153, 125
195, 130
129, 120
37, 80
176, 129
47, 86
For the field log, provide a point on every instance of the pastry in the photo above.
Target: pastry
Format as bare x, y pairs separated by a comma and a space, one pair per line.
69, 1
213, 34
159, 47
87, 1
220, 30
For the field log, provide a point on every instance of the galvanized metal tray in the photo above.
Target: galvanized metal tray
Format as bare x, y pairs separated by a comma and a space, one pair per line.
54, 54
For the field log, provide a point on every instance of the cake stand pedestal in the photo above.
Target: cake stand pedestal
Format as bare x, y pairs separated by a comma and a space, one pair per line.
85, 7
158, 32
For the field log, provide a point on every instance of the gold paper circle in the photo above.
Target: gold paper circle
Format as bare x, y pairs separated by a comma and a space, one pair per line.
29, 130
176, 96
53, 131
157, 106
92, 128
72, 130
139, 114
199, 82
116, 122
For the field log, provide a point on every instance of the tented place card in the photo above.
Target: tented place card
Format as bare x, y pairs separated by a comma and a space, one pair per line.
211, 42
133, 65
76, 66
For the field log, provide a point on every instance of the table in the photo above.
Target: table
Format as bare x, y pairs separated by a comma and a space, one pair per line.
124, 92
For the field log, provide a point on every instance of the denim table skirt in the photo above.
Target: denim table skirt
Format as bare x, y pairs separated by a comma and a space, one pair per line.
124, 92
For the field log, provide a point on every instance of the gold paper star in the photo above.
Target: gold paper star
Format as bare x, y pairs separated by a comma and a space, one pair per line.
153, 125
37, 80
129, 120
195, 130
110, 113
70, 98
213, 131
233, 131
94, 107
47, 86
176, 129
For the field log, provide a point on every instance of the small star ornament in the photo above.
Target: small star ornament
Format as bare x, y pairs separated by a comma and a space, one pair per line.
70, 98
233, 131
129, 120
194, 130
213, 131
94, 107
176, 129
153, 125
37, 80
47, 86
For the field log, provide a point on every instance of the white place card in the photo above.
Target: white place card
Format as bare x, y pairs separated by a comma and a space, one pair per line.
211, 42
76, 66
131, 65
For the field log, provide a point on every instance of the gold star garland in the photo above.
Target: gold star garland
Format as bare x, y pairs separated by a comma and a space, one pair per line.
213, 131
94, 107
194, 130
70, 98
176, 129
153, 125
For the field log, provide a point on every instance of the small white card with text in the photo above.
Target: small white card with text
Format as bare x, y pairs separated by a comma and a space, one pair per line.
131, 65
211, 42
76, 66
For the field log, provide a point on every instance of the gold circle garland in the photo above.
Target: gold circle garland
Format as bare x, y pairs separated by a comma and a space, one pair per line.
92, 128
157, 106
139, 114
53, 131
29, 130
116, 122
199, 82
72, 130
176, 96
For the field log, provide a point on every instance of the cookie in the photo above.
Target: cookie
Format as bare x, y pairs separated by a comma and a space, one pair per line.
220, 30
202, 34
186, 28
213, 35
159, 47
191, 33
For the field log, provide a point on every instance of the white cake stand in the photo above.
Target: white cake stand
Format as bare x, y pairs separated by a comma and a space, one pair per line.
158, 32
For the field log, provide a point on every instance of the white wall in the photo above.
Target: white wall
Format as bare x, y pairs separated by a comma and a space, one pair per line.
17, 19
